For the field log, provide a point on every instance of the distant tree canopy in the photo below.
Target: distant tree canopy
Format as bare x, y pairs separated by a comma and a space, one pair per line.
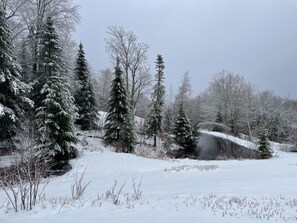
38, 29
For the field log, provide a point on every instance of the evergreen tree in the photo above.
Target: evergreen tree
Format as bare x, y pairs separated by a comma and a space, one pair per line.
55, 114
128, 134
13, 91
84, 97
118, 126
49, 61
56, 119
183, 131
264, 146
154, 120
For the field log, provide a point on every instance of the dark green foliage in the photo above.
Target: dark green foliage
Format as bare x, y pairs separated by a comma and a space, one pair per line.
13, 91
118, 126
56, 108
56, 120
49, 61
264, 146
154, 119
84, 96
128, 134
183, 130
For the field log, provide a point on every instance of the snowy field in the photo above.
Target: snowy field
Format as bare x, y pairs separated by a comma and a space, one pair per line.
167, 190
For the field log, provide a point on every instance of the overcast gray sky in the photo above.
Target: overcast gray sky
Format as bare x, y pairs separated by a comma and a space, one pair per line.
255, 38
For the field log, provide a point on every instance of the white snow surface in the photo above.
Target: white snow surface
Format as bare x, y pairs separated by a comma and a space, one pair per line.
242, 142
174, 191
1, 109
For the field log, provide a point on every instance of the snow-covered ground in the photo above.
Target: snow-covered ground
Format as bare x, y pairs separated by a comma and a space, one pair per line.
170, 190
242, 142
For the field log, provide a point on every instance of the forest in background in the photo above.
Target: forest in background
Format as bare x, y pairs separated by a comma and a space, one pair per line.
230, 99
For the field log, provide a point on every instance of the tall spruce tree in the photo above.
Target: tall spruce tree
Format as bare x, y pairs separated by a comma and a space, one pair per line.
49, 61
84, 96
118, 126
13, 91
183, 130
154, 120
56, 119
55, 114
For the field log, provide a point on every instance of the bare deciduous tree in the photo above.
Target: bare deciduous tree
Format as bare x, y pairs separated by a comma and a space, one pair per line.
102, 88
185, 89
31, 14
132, 56
231, 96
27, 18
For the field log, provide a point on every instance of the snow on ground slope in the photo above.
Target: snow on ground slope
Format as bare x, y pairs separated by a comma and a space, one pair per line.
276, 147
242, 142
172, 191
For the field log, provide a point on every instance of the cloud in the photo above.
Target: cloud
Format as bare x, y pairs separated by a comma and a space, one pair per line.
254, 38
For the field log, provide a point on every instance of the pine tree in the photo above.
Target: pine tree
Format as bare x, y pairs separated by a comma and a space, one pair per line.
183, 131
55, 114
13, 91
118, 126
85, 97
154, 120
264, 146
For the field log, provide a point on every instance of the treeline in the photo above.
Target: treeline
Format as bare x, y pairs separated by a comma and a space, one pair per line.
45, 90
36, 96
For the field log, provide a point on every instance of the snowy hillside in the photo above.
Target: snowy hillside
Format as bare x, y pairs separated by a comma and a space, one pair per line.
166, 190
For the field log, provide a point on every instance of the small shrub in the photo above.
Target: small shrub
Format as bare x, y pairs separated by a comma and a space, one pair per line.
22, 181
79, 186
137, 189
